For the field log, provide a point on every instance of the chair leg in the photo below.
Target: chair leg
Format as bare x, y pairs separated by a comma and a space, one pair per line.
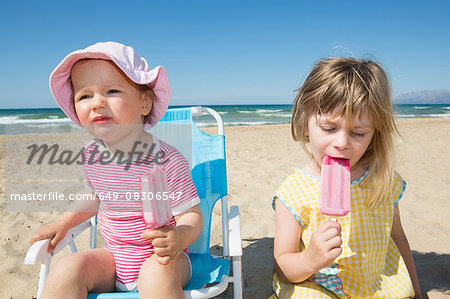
237, 277
45, 267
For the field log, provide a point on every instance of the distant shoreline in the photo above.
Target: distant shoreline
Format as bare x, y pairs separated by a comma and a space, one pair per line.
231, 105
23, 121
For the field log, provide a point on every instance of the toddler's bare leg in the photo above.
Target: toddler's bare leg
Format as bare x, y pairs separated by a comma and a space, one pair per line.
74, 275
163, 281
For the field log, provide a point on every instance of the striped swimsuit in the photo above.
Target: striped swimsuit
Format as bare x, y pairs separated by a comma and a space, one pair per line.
120, 212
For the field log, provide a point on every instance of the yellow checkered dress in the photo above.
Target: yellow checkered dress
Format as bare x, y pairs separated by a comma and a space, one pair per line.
370, 265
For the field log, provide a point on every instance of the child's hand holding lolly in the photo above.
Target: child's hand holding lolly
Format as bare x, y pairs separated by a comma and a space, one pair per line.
324, 247
165, 243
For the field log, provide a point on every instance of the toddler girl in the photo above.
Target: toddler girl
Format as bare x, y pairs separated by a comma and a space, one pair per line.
343, 110
109, 90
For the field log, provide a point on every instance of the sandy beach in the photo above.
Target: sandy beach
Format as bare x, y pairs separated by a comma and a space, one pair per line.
259, 158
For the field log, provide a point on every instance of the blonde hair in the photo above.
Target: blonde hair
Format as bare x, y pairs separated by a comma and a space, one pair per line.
349, 88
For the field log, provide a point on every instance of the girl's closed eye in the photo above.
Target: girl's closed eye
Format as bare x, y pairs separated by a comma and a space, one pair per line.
357, 134
328, 129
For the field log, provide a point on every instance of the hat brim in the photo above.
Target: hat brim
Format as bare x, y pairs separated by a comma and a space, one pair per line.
155, 78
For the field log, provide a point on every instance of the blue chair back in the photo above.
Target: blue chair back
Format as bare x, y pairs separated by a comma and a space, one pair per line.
206, 155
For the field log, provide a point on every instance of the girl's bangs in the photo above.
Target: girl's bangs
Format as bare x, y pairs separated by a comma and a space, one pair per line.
348, 102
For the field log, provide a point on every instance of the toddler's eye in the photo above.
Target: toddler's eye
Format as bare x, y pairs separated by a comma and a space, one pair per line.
83, 97
113, 91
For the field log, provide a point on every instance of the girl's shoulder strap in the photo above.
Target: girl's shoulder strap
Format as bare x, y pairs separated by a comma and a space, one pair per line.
399, 187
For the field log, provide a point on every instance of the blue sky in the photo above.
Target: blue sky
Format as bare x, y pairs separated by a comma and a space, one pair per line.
226, 52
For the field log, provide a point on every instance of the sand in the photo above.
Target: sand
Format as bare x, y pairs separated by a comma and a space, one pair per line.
259, 158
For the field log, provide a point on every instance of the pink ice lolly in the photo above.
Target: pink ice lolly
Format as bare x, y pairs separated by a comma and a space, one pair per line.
335, 187
156, 207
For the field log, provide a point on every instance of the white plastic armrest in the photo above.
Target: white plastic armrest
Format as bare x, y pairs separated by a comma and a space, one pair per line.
235, 232
38, 251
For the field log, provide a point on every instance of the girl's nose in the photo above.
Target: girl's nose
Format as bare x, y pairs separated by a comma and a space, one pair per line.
98, 102
341, 140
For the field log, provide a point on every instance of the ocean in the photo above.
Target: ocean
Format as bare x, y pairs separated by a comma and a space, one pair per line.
13, 121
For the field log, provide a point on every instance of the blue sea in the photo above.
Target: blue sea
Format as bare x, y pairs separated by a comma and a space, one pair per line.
54, 120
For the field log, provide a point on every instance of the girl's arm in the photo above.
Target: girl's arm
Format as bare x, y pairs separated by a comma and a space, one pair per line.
169, 241
57, 230
296, 266
399, 237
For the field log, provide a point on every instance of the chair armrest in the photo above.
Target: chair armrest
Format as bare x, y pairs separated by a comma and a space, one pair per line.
38, 251
235, 232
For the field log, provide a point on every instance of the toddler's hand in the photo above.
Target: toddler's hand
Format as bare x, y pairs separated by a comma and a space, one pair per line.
55, 231
165, 243
324, 246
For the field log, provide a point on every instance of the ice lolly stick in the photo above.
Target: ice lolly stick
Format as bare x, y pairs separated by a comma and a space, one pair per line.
335, 187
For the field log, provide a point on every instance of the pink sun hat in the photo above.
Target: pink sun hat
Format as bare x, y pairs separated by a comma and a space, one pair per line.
134, 66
